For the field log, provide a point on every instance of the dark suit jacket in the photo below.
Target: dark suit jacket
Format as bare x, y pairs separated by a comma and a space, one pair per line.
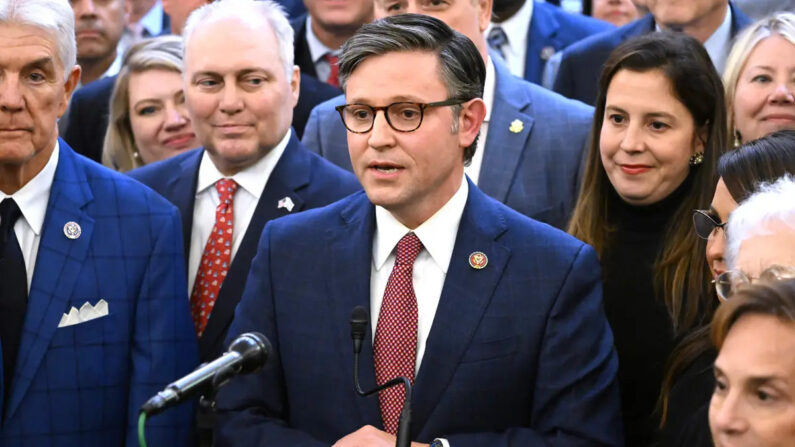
582, 63
520, 352
303, 58
535, 170
552, 28
306, 178
82, 385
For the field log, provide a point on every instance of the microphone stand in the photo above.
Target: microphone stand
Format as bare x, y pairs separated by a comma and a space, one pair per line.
403, 434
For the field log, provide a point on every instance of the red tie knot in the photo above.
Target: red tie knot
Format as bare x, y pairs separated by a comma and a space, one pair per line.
408, 248
226, 188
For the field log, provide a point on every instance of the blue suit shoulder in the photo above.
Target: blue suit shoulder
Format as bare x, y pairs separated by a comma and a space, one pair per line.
576, 26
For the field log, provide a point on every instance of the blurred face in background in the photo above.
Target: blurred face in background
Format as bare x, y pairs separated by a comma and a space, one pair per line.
682, 13
179, 10
98, 27
753, 404
340, 17
617, 12
647, 137
159, 119
764, 99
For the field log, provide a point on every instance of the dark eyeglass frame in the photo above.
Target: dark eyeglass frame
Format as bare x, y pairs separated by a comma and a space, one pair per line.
422, 107
698, 214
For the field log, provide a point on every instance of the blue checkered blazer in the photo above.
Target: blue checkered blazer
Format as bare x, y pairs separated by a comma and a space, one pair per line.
82, 385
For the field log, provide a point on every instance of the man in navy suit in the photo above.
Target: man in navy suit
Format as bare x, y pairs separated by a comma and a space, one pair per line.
495, 318
93, 311
713, 22
529, 32
532, 141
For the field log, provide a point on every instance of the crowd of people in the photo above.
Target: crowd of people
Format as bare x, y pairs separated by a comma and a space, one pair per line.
565, 228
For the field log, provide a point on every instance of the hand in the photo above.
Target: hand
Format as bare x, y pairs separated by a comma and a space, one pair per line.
369, 436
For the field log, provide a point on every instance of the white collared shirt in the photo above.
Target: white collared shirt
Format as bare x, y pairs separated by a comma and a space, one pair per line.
251, 182
32, 200
515, 27
473, 170
719, 43
437, 235
317, 51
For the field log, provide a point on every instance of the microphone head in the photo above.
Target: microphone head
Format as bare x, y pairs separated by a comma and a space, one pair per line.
254, 348
360, 318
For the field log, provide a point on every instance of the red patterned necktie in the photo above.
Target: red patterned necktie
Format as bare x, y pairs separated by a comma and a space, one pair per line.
395, 346
334, 74
216, 257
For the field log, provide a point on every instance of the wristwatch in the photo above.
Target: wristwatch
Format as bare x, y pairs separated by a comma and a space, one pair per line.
437, 443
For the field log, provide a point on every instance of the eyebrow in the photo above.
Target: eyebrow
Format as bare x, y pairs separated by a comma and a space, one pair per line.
238, 73
647, 115
44, 63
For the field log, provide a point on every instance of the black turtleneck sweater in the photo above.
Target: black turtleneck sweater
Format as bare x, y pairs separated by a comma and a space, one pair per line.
642, 327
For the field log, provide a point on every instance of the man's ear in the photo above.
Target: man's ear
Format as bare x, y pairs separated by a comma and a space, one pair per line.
295, 84
69, 87
473, 112
484, 13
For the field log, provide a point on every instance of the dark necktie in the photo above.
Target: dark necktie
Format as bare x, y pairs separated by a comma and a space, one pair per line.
497, 39
395, 346
13, 290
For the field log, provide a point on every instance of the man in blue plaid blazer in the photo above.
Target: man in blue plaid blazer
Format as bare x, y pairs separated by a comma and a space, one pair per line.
93, 310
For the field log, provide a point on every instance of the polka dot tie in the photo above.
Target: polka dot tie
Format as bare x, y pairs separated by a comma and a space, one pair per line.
395, 346
216, 257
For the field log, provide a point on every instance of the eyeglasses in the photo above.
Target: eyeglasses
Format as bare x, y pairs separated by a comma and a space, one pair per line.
705, 223
401, 116
728, 282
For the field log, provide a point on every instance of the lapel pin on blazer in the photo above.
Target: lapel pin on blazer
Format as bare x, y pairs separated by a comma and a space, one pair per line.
478, 260
286, 203
547, 52
516, 126
72, 230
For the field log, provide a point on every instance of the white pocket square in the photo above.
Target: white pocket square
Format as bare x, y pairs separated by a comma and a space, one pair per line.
87, 312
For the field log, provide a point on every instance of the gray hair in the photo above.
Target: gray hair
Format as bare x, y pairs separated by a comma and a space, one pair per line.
53, 16
772, 203
460, 64
255, 12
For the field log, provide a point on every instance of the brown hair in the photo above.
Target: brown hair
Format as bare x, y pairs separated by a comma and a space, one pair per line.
680, 270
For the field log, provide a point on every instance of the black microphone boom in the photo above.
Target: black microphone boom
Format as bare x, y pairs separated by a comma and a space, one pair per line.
360, 318
247, 353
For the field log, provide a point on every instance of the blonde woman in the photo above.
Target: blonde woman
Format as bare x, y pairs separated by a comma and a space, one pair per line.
148, 119
760, 79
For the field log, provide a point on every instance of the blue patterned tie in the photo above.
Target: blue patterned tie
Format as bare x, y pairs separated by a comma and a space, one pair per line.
497, 39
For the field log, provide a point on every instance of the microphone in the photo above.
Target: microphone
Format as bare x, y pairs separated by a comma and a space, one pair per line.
360, 318
246, 354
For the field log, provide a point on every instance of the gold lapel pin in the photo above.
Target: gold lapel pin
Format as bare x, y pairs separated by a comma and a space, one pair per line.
516, 126
478, 260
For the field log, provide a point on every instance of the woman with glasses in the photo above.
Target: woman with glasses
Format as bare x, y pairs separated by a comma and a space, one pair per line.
753, 403
689, 381
659, 126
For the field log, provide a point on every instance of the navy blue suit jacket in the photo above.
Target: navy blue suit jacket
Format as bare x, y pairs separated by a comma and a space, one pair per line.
582, 63
82, 385
307, 179
303, 57
519, 353
555, 29
535, 171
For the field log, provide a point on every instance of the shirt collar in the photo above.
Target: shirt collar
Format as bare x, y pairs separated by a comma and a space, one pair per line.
152, 21
719, 42
437, 234
253, 179
115, 67
515, 27
33, 197
488, 87
316, 48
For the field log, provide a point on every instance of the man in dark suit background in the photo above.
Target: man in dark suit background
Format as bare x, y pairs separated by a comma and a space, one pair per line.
94, 316
494, 317
713, 22
320, 33
527, 33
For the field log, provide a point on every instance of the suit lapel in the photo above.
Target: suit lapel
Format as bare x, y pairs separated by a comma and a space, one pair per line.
57, 268
350, 254
540, 35
465, 296
182, 192
291, 173
510, 125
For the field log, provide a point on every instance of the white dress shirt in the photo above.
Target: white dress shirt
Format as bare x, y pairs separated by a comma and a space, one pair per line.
317, 50
251, 181
515, 28
32, 200
437, 235
719, 43
473, 170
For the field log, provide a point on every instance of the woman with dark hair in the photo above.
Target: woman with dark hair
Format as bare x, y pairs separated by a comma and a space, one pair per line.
658, 131
689, 380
